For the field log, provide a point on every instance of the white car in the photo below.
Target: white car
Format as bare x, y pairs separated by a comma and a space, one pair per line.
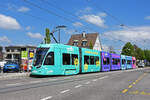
141, 64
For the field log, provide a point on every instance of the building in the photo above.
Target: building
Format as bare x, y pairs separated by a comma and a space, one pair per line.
86, 41
13, 53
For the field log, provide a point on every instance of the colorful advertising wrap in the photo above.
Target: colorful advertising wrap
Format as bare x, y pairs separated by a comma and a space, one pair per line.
24, 54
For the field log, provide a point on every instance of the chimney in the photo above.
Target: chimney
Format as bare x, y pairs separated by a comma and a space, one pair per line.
83, 34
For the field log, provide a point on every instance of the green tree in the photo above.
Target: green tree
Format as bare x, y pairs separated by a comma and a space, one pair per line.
128, 49
139, 54
47, 36
147, 55
91, 45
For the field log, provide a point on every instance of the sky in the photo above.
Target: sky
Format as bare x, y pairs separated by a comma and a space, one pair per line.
23, 22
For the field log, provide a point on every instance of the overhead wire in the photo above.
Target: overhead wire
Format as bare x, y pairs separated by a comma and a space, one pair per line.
55, 14
67, 12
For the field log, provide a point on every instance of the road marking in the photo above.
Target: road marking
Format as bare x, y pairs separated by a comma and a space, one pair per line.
35, 81
46, 98
134, 92
125, 90
94, 80
143, 93
78, 86
130, 86
14, 84
88, 82
65, 91
136, 81
103, 77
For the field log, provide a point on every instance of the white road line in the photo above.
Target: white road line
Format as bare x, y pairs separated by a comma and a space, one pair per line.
94, 80
14, 84
88, 82
103, 77
46, 98
65, 91
78, 86
35, 81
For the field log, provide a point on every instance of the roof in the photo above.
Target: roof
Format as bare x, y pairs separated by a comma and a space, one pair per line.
90, 37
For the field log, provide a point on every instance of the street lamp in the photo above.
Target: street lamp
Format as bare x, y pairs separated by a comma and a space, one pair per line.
60, 27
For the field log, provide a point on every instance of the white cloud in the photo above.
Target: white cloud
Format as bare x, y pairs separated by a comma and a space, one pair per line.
147, 18
4, 39
102, 14
7, 22
28, 28
134, 34
77, 24
35, 35
23, 9
85, 10
94, 19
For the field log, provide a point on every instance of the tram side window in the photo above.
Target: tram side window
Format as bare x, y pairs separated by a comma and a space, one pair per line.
49, 60
96, 59
86, 59
114, 61
74, 56
134, 61
106, 61
91, 60
128, 61
66, 59
123, 61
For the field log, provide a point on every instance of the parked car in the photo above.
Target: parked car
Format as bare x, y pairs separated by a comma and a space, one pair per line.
11, 67
141, 64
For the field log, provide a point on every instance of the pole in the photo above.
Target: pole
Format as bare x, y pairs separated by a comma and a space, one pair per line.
59, 36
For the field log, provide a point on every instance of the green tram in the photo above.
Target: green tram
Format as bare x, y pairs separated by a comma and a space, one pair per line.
59, 59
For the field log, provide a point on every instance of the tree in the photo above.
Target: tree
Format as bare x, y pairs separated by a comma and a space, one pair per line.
91, 45
128, 49
47, 36
139, 54
147, 55
111, 49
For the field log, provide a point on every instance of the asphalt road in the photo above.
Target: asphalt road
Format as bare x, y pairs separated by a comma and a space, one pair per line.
116, 85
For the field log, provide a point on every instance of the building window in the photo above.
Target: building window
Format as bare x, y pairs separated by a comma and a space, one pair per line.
12, 50
16, 56
9, 56
86, 59
84, 43
75, 43
8, 50
66, 59
49, 60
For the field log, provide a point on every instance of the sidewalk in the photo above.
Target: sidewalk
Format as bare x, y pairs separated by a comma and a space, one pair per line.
4, 76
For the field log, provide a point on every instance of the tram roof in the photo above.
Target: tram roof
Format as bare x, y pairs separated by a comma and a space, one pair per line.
54, 45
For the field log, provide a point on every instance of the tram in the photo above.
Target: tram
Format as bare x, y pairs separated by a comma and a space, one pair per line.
59, 59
